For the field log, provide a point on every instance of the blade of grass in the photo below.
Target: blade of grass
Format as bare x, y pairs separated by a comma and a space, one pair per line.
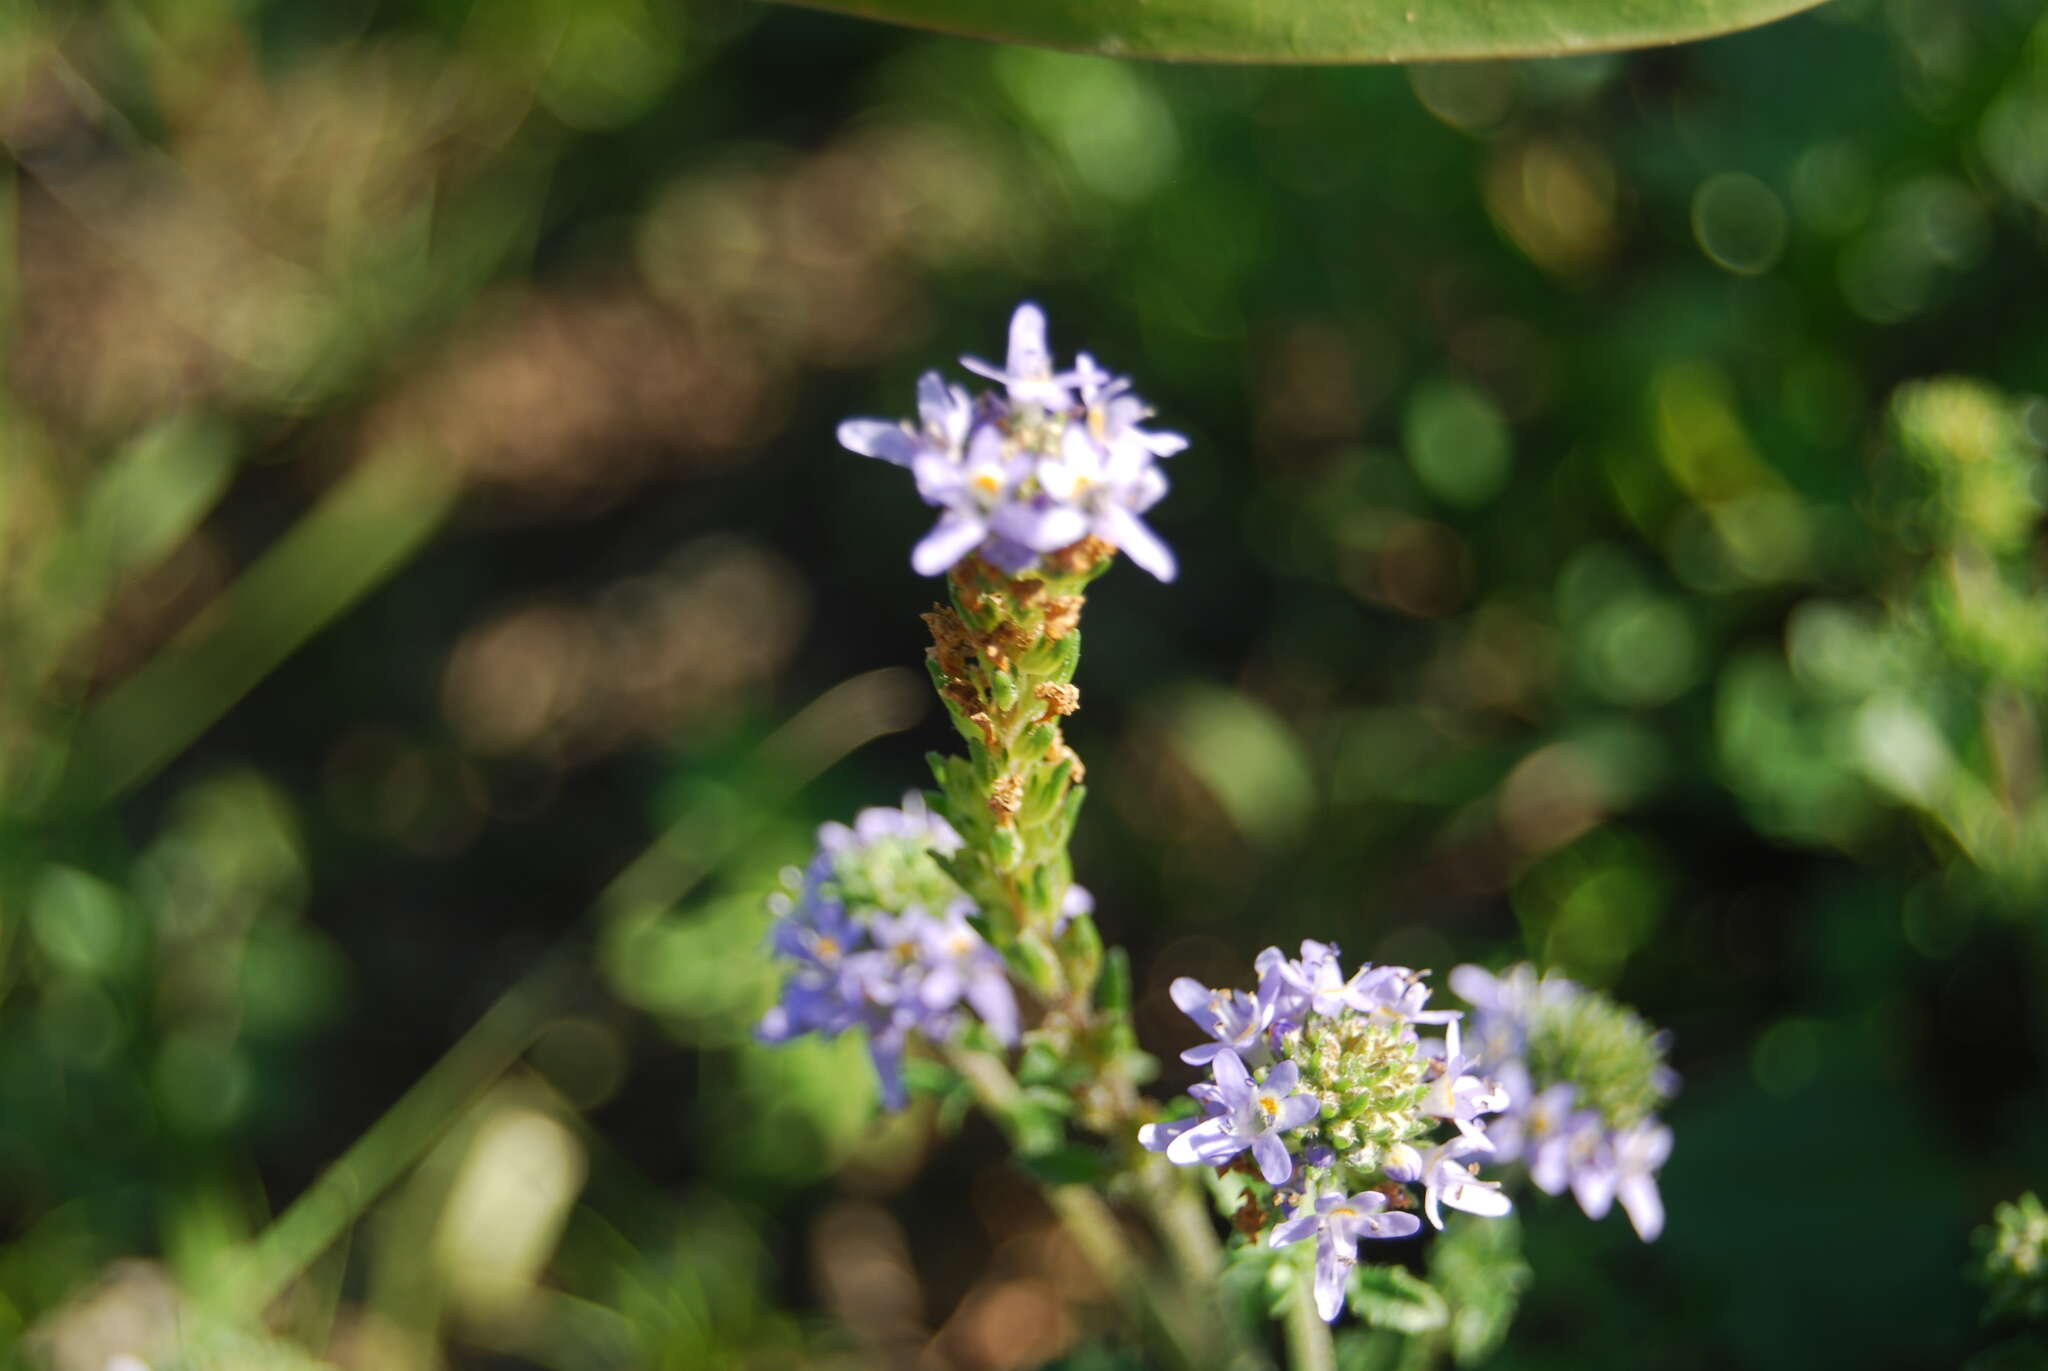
365, 528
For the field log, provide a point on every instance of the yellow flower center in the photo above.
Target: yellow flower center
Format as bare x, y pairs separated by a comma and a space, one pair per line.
1270, 1105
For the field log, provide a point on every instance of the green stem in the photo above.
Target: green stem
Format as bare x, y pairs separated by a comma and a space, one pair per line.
378, 1158
1309, 1346
361, 531
1182, 1315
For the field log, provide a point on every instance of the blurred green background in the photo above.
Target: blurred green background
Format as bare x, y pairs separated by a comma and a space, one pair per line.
433, 607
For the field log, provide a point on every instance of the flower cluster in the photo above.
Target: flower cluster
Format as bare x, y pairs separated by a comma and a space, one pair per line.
877, 937
1335, 1065
1055, 459
1585, 1077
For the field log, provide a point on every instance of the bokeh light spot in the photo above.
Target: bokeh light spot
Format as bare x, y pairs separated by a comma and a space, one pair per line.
1740, 223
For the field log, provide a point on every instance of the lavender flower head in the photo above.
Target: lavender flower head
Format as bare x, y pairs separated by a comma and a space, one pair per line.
876, 937
1327, 1081
1584, 1078
1052, 460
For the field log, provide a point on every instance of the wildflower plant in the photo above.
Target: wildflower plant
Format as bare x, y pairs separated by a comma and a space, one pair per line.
1338, 1111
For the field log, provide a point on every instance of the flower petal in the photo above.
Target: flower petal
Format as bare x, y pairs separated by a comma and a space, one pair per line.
1231, 1077
1296, 1111
1389, 1226
1332, 1274
1129, 532
1644, 1206
1300, 1228
1209, 1143
988, 991
1276, 1164
951, 538
1191, 997
1029, 356
1041, 525
879, 438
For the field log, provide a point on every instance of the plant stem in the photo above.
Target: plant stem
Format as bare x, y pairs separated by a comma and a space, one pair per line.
362, 530
1309, 1346
1182, 1316
327, 1209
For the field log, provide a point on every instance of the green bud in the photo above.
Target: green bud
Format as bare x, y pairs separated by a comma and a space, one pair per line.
1081, 948
1006, 849
1066, 657
1070, 812
1002, 687
1034, 960
1036, 742
1113, 991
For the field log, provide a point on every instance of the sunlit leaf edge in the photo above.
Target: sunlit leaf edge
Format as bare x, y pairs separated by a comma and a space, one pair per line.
1326, 32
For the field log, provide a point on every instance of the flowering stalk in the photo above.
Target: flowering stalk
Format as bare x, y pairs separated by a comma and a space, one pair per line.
1038, 487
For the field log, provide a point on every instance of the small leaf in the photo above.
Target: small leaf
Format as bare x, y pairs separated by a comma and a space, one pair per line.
1389, 1297
1326, 31
1069, 1164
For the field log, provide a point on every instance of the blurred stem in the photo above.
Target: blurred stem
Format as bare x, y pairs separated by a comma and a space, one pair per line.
852, 713
1182, 1220
1183, 1317
1309, 1345
362, 530
378, 1158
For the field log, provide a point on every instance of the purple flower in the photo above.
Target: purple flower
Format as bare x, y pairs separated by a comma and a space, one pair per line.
914, 823
1337, 1222
1446, 1181
1094, 487
944, 413
1113, 413
1539, 1128
864, 953
1624, 1166
1312, 984
1252, 1115
1030, 471
1397, 993
1457, 1095
1078, 900
1234, 1019
959, 965
1028, 373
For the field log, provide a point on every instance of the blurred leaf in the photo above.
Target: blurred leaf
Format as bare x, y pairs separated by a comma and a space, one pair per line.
1327, 31
1390, 1297
1247, 757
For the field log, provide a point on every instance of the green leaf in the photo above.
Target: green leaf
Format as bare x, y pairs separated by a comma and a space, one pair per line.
1390, 1297
1327, 31
1068, 1164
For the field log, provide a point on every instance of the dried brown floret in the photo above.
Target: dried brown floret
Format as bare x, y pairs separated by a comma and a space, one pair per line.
1006, 797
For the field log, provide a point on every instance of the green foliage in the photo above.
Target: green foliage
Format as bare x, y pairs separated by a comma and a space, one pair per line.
2013, 1260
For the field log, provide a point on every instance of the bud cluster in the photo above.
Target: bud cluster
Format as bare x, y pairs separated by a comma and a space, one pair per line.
1585, 1076
1334, 1065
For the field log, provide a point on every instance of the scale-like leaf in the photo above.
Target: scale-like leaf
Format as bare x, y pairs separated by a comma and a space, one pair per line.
1327, 31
